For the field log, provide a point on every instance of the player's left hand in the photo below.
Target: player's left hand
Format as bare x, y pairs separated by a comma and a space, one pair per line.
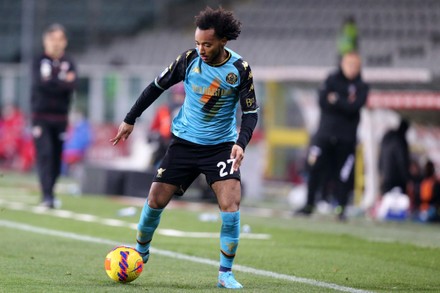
123, 132
237, 154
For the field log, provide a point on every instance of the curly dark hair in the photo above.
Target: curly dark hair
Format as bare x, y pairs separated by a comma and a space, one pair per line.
222, 21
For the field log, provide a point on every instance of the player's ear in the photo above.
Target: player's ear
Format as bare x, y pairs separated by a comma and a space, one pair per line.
224, 41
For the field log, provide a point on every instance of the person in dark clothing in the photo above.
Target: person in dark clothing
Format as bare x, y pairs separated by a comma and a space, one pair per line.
394, 159
54, 79
427, 201
413, 186
332, 150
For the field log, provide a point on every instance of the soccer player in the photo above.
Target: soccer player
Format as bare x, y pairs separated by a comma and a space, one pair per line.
54, 80
204, 131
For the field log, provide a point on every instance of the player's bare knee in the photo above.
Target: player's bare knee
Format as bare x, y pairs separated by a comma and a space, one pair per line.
230, 209
152, 202
158, 201
229, 205
160, 195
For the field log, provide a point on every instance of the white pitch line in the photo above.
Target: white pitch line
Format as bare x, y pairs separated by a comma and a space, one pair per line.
244, 269
118, 223
178, 233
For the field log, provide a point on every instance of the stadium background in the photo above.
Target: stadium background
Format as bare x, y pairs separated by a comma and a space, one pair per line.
291, 45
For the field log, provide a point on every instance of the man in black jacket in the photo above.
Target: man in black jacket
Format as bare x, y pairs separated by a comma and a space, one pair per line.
394, 159
54, 78
332, 149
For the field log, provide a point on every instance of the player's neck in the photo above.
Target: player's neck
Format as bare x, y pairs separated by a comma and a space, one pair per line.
223, 56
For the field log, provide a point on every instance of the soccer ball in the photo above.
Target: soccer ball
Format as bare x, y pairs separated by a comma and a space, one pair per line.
123, 264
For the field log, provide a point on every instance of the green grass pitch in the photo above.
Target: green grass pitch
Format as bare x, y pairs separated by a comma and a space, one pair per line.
64, 250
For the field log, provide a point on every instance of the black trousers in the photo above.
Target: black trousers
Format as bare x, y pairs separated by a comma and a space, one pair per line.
48, 139
330, 164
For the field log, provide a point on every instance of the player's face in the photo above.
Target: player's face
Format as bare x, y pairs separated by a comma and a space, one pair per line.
351, 65
210, 47
55, 43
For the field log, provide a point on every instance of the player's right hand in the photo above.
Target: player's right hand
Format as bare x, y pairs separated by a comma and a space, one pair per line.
124, 132
237, 154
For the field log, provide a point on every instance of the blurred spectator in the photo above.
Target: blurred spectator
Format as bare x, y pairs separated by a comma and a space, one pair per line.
393, 205
428, 204
160, 129
341, 98
78, 140
348, 37
27, 152
413, 186
394, 159
53, 82
12, 127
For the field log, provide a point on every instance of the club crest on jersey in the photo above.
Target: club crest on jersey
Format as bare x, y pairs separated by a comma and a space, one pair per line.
231, 78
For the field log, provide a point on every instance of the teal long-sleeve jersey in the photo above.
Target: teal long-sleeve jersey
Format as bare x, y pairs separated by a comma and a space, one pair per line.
212, 93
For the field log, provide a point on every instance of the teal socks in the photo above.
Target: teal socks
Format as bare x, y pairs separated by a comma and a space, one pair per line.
148, 222
229, 236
